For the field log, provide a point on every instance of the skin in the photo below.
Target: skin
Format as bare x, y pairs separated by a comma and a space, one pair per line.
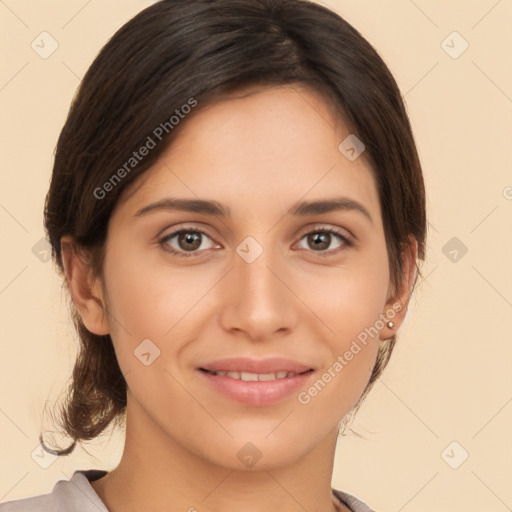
258, 154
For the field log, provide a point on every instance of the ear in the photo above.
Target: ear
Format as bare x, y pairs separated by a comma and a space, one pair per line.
398, 298
85, 289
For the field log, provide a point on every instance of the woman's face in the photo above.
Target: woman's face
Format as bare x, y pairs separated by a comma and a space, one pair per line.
252, 290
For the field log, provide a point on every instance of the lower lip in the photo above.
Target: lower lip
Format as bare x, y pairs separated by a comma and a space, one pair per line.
257, 392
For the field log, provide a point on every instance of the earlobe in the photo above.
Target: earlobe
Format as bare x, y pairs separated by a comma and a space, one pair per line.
396, 306
84, 288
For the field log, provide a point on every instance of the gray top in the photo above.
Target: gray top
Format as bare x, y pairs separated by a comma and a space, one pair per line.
77, 495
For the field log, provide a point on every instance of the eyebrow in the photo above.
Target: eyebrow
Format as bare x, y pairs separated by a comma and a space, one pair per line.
215, 208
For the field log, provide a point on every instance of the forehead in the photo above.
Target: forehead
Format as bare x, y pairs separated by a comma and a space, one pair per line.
259, 146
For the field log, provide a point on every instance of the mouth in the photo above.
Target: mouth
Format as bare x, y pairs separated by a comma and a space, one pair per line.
253, 382
253, 377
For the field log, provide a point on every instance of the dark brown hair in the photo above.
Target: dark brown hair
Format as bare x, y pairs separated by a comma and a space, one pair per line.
176, 51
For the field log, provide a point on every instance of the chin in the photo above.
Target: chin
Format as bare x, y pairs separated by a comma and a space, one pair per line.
258, 453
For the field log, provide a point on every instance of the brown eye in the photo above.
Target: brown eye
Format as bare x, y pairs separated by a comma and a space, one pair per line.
187, 241
320, 240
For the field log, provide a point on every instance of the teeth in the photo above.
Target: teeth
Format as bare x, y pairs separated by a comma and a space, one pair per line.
248, 376
251, 377
266, 376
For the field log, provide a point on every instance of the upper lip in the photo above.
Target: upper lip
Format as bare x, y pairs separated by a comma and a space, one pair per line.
244, 364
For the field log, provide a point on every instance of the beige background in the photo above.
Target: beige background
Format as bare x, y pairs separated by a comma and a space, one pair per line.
450, 378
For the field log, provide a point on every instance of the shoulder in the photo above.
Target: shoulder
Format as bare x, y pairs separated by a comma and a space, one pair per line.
73, 495
40, 503
355, 504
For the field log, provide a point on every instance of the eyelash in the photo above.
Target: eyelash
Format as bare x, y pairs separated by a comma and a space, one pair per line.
347, 242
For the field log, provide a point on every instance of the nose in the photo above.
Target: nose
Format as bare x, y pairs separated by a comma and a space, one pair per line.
258, 297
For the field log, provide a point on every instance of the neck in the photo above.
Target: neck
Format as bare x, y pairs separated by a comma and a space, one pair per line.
156, 473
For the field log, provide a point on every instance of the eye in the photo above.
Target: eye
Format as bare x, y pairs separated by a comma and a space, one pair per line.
322, 238
187, 243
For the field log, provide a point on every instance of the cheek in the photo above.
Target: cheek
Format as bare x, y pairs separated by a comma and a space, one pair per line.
348, 299
149, 297
353, 313
351, 304
148, 301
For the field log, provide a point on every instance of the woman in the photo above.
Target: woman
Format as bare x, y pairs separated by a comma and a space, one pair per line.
237, 208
